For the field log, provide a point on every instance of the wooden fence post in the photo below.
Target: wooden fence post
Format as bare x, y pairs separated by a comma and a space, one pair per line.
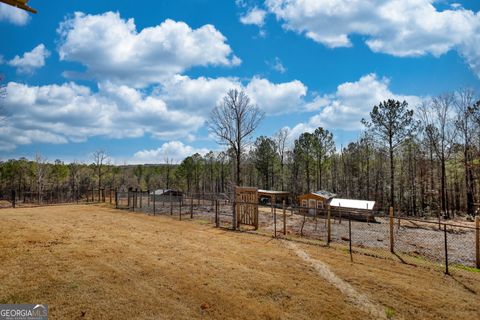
350, 235
284, 218
14, 196
274, 220
234, 215
180, 208
171, 204
446, 248
154, 196
329, 225
398, 213
477, 242
116, 199
340, 211
217, 224
134, 199
191, 207
391, 230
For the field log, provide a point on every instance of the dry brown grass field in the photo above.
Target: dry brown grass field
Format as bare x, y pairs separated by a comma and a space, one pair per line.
93, 262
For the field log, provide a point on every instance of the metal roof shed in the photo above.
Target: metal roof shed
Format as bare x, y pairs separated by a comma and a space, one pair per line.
352, 204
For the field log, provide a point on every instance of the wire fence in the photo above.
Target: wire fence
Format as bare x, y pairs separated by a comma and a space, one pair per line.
442, 245
27, 198
451, 246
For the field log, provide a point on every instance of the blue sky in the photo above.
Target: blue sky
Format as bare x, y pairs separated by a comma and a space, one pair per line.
140, 81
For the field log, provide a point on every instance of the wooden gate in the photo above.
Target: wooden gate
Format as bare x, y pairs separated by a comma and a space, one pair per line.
246, 206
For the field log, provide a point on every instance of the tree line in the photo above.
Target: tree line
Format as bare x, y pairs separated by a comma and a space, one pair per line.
420, 160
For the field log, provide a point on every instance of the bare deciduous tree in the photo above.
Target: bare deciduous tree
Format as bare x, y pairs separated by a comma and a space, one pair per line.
168, 169
464, 100
440, 131
281, 143
99, 159
233, 122
74, 169
40, 170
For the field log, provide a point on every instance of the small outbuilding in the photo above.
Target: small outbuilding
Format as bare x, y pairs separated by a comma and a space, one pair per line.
315, 200
166, 195
361, 210
275, 197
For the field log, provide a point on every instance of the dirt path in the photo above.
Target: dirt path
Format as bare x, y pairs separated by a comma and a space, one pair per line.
360, 300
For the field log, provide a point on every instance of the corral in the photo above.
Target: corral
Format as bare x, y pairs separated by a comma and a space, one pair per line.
449, 244
92, 262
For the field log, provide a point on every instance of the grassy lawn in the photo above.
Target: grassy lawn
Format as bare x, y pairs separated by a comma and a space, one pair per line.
92, 262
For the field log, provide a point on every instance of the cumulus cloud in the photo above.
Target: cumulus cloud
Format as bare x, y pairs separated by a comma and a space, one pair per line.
351, 102
200, 95
278, 98
13, 15
254, 16
176, 109
30, 61
174, 151
111, 48
195, 95
396, 27
73, 113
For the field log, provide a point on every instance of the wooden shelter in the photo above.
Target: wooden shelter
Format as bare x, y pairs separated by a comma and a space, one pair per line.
275, 197
166, 195
316, 203
315, 200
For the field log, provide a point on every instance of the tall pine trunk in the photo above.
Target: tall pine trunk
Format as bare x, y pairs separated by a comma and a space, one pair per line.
392, 174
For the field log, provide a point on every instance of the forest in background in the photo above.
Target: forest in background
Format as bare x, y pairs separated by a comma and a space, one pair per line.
435, 152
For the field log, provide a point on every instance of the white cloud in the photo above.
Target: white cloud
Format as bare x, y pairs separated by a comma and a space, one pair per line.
351, 102
278, 98
13, 15
174, 151
32, 60
72, 113
200, 95
175, 110
111, 48
397, 27
197, 96
277, 65
254, 16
